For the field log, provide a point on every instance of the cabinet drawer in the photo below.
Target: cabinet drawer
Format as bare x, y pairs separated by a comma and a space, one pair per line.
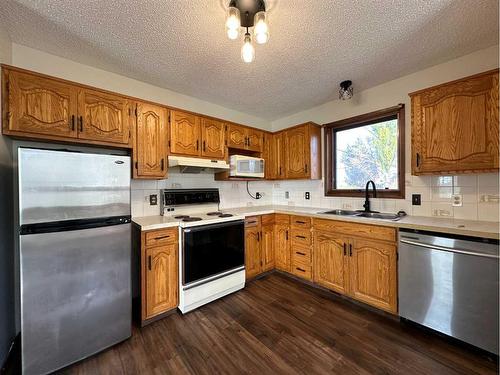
300, 221
301, 236
281, 219
301, 255
252, 221
161, 237
302, 269
267, 219
373, 232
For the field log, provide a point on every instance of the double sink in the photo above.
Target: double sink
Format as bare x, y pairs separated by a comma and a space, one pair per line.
370, 215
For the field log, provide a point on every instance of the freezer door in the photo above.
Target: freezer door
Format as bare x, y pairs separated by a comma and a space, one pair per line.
75, 295
62, 185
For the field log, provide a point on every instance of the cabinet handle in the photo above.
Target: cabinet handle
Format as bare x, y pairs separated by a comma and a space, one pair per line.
300, 222
300, 253
418, 159
303, 237
345, 252
204, 146
258, 236
280, 170
81, 123
162, 237
197, 145
72, 122
305, 167
286, 235
300, 269
149, 262
162, 164
350, 249
248, 141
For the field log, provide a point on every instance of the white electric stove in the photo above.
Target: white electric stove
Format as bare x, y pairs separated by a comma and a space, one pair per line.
211, 246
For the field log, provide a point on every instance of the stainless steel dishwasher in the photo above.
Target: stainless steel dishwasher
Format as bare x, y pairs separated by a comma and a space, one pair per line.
450, 284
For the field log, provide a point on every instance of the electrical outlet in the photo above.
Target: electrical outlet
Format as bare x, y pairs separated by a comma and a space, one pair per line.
456, 200
153, 200
416, 199
287, 195
307, 195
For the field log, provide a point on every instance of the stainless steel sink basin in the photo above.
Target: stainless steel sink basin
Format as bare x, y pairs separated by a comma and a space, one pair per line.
341, 212
370, 215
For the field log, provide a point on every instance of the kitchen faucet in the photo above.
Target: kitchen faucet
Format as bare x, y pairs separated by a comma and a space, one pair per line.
367, 197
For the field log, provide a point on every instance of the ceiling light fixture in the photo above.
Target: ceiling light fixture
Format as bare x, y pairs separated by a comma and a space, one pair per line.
345, 92
246, 14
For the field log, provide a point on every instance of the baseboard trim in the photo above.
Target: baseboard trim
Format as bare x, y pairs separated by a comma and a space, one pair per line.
12, 363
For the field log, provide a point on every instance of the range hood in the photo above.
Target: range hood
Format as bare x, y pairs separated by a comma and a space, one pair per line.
196, 165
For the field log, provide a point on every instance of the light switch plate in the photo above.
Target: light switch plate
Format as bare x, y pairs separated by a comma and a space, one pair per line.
456, 200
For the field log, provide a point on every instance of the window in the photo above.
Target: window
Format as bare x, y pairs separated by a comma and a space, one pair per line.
363, 148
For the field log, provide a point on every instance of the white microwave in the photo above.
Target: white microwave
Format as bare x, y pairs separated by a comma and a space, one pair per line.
246, 166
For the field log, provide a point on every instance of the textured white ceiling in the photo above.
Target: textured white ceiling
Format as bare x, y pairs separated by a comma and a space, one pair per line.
181, 45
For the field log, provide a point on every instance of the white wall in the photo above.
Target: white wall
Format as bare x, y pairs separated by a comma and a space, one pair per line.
436, 191
7, 330
42, 62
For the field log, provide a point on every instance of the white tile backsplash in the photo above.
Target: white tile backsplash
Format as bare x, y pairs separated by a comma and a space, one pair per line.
480, 195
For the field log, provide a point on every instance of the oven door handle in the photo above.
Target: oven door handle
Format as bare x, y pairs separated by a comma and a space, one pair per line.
449, 249
213, 226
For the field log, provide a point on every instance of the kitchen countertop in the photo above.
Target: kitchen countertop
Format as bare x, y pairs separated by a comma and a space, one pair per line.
486, 229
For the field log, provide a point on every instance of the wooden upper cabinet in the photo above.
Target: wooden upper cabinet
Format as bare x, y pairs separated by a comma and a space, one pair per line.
302, 152
331, 261
103, 117
278, 155
150, 148
161, 279
373, 273
213, 138
184, 133
455, 126
255, 139
39, 105
244, 138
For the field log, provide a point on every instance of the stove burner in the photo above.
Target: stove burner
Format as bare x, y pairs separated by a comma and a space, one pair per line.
181, 217
225, 215
214, 213
188, 219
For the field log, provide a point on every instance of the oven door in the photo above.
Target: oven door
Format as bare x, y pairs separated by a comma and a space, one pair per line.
211, 251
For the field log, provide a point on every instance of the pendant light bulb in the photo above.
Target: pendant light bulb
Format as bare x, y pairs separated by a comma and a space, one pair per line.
261, 29
233, 23
248, 50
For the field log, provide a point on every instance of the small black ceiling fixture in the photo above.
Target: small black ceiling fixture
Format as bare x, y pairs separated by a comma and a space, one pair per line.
345, 91
244, 14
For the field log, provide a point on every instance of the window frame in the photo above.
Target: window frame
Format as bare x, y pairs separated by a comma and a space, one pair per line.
355, 122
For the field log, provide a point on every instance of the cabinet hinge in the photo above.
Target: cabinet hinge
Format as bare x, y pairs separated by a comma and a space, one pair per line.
226, 127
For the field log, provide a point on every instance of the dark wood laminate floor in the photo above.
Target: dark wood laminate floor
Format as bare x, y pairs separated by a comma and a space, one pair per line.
277, 325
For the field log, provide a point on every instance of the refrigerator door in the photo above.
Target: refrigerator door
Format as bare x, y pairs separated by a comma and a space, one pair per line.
64, 185
75, 295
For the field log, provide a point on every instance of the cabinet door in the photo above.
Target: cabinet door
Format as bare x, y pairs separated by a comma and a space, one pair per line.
372, 269
184, 133
254, 139
41, 106
151, 142
455, 126
270, 168
252, 251
267, 247
236, 136
103, 117
279, 155
282, 247
330, 261
161, 279
213, 139
297, 152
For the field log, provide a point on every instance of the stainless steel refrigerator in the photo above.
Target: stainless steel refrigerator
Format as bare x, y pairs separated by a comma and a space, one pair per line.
75, 255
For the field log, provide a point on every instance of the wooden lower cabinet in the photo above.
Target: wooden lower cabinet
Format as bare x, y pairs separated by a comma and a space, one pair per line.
373, 273
159, 272
362, 268
331, 261
282, 242
259, 245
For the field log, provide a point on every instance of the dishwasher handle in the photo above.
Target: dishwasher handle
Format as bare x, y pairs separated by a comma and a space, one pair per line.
449, 249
